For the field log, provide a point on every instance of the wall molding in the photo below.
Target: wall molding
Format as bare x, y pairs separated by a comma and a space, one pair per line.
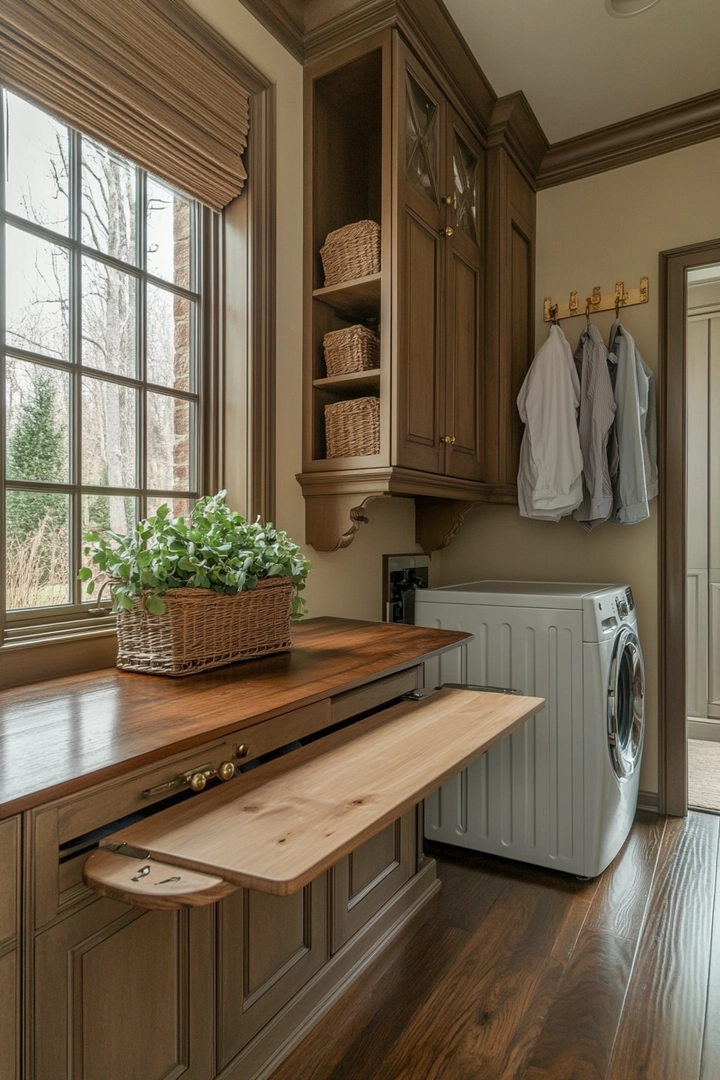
648, 800
285, 19
683, 124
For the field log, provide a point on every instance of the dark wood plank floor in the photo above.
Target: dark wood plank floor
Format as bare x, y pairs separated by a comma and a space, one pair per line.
516, 973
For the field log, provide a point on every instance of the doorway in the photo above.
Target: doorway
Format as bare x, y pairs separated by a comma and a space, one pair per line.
688, 533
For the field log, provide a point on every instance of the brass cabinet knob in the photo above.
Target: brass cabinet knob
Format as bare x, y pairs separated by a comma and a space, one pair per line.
226, 770
447, 439
447, 200
447, 230
198, 781
241, 750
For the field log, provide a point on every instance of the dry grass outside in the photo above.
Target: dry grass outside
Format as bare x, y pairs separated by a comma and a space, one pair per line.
36, 569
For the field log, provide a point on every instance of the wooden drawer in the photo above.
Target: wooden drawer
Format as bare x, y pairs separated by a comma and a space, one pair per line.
63, 834
378, 693
9, 933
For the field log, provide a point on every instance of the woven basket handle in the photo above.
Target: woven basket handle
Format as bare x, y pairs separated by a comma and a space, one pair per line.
97, 610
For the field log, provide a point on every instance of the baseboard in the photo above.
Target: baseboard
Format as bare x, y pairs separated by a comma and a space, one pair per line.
707, 730
648, 800
279, 1038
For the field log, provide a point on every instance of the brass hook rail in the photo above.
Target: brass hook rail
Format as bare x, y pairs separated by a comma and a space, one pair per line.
621, 298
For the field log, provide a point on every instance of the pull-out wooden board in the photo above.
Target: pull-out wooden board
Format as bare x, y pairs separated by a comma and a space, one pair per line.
278, 827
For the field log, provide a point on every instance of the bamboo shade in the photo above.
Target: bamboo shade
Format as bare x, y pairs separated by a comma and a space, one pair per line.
124, 73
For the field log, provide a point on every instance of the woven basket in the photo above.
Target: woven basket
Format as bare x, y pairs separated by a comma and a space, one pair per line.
352, 428
355, 348
202, 629
351, 252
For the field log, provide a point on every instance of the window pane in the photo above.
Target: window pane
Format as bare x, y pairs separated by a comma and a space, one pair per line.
169, 334
37, 563
108, 434
36, 186
101, 513
37, 404
168, 443
36, 295
178, 507
108, 202
169, 234
109, 302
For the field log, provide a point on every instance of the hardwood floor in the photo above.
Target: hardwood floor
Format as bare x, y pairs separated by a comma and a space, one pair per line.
517, 973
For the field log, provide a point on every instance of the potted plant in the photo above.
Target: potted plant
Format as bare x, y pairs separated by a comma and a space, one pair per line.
197, 593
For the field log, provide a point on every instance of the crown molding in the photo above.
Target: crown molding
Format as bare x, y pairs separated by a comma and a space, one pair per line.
683, 124
285, 19
515, 128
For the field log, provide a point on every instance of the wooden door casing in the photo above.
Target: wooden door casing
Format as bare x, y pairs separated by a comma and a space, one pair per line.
364, 881
268, 948
119, 993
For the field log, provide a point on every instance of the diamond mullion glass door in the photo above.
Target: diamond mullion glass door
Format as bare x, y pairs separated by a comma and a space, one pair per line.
420, 404
463, 303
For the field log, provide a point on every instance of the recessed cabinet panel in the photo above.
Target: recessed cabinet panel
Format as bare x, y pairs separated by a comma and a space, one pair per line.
119, 994
366, 879
419, 436
463, 338
269, 946
9, 847
9, 1016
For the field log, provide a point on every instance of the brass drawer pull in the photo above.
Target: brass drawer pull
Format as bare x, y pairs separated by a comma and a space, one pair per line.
447, 439
196, 779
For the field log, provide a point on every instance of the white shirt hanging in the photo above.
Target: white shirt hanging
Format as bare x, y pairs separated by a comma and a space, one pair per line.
550, 474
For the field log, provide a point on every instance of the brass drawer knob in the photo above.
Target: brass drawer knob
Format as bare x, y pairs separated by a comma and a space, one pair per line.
226, 770
198, 781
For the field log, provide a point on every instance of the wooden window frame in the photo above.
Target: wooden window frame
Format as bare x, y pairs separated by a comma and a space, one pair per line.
238, 376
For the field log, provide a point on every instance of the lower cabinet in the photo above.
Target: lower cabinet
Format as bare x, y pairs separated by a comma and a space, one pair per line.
123, 994
366, 879
268, 948
9, 953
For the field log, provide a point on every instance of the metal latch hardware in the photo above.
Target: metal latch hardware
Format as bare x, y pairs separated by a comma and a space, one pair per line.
196, 779
125, 849
479, 689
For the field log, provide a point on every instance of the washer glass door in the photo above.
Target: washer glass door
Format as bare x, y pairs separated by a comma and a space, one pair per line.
626, 703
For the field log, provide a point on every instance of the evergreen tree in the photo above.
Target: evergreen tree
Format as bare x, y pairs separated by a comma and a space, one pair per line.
36, 451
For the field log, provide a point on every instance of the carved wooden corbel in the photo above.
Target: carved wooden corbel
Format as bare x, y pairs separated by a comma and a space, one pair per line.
331, 521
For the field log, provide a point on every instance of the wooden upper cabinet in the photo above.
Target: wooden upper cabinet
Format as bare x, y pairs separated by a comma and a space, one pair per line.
421, 173
388, 138
441, 173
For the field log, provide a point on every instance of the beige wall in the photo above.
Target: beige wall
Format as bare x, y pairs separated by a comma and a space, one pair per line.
345, 582
595, 232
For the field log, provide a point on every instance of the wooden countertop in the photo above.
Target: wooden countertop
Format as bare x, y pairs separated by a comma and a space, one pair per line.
61, 736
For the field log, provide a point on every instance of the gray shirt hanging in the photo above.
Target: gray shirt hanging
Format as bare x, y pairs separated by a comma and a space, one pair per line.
595, 419
636, 481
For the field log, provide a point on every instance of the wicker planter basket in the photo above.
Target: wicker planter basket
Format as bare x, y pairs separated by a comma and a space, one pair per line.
355, 348
201, 629
351, 252
352, 428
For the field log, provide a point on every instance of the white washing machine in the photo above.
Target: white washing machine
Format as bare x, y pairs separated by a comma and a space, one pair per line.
562, 790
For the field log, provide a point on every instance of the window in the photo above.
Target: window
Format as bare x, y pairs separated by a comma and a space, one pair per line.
100, 318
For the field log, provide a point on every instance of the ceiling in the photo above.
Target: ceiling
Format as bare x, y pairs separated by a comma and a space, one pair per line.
582, 69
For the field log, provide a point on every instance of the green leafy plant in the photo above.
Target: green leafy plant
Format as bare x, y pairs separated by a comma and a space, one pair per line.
215, 548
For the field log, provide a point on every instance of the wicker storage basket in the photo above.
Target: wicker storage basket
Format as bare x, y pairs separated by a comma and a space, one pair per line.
352, 427
355, 348
202, 629
351, 252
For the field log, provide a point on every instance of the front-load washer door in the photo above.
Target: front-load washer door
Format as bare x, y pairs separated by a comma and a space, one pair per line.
626, 703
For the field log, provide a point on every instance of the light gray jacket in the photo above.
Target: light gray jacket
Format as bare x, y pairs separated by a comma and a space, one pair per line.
595, 419
636, 480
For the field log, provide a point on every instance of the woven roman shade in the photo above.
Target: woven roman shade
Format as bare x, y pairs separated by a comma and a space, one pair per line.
125, 73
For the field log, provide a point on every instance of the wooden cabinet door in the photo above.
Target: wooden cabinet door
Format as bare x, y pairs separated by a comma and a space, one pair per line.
465, 184
268, 948
121, 993
9, 954
420, 406
365, 880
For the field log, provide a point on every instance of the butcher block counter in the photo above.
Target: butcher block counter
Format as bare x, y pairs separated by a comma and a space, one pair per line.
208, 862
